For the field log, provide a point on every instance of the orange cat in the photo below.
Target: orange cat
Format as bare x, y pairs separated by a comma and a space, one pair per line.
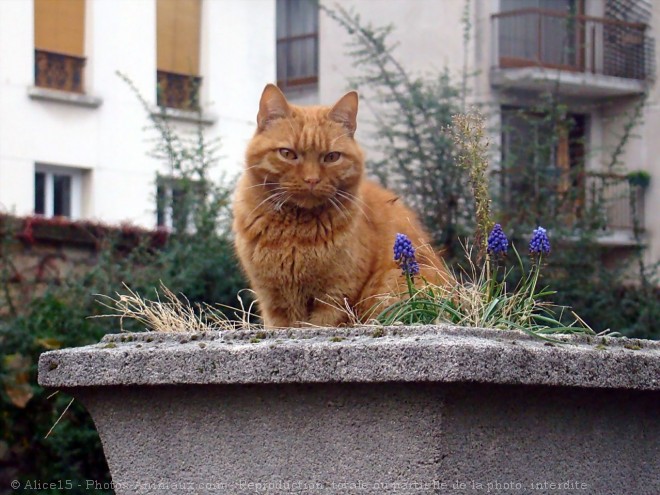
311, 232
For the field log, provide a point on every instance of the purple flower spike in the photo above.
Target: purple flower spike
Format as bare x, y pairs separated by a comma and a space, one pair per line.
540, 244
404, 255
498, 244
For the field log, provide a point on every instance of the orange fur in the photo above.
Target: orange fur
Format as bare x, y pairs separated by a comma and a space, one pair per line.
310, 230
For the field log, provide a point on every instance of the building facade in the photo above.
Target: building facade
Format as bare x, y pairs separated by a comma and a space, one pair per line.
72, 133
72, 138
597, 56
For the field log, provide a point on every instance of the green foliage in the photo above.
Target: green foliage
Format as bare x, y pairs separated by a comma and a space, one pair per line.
482, 298
606, 297
73, 451
639, 178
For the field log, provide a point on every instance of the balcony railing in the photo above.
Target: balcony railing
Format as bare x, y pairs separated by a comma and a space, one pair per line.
579, 43
618, 204
180, 91
59, 71
608, 204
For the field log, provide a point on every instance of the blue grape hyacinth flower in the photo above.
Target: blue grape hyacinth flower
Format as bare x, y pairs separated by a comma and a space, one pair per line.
404, 255
540, 244
498, 244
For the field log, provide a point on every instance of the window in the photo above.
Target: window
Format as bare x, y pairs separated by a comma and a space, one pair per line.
541, 32
297, 43
178, 42
175, 203
57, 191
542, 171
59, 34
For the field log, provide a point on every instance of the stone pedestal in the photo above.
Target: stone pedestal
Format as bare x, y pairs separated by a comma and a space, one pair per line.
372, 411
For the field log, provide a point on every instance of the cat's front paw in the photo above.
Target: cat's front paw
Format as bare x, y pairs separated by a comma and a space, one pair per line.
327, 317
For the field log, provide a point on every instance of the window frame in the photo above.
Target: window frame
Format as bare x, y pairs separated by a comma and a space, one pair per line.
76, 194
177, 86
562, 172
166, 188
59, 56
286, 81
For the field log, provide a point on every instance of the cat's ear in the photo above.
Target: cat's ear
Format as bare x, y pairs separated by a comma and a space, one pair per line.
272, 106
345, 111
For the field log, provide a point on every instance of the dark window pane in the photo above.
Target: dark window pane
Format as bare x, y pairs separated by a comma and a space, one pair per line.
302, 62
39, 193
161, 204
540, 38
303, 17
180, 207
297, 41
282, 47
542, 162
62, 195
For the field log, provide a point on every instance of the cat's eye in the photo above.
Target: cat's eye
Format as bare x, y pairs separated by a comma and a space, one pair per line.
288, 154
331, 157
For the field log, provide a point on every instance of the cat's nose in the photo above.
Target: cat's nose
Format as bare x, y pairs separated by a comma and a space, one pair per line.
312, 181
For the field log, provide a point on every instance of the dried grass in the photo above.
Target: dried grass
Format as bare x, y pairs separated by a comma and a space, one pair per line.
173, 314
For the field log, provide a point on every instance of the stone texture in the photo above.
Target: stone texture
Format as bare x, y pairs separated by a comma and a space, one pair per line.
402, 354
328, 438
341, 411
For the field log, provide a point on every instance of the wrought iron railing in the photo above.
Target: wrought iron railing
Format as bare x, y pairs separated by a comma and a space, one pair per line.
552, 39
599, 202
618, 203
59, 71
180, 91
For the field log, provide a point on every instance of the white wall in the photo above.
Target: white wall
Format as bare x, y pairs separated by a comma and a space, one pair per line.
16, 72
238, 59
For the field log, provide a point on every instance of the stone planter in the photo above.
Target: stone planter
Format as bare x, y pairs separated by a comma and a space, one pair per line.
369, 411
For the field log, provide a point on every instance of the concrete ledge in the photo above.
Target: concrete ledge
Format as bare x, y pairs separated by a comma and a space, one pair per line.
580, 84
190, 116
361, 355
371, 411
66, 97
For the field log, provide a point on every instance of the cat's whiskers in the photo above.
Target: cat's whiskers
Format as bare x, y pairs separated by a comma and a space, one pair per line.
274, 197
262, 184
339, 207
353, 200
280, 204
347, 209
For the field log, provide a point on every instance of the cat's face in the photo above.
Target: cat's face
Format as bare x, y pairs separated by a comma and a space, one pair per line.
305, 156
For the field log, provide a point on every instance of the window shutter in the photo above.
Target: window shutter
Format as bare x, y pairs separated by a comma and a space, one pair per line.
178, 36
59, 26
